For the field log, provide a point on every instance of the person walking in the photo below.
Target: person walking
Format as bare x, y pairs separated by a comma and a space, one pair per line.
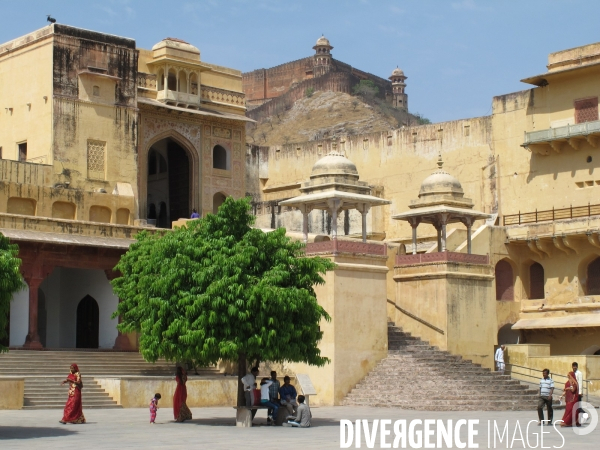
499, 358
181, 412
571, 401
195, 214
579, 378
73, 412
546, 391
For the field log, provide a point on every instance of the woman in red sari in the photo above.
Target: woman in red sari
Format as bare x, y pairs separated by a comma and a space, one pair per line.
73, 409
180, 410
571, 397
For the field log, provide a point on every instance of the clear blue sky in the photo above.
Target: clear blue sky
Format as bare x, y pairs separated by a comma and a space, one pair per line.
457, 54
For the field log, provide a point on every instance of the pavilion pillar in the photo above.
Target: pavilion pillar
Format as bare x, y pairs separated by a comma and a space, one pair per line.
305, 212
334, 206
438, 228
364, 211
443, 222
32, 341
414, 223
468, 221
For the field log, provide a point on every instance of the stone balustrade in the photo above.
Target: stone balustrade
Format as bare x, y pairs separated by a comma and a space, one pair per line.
420, 258
339, 246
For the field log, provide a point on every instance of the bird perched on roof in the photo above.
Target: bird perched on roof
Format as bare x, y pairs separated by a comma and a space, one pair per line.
50, 19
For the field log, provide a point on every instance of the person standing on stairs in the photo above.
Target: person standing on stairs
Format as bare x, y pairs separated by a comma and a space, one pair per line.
73, 412
499, 358
546, 391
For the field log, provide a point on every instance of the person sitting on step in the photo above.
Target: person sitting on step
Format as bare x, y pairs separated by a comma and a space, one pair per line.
287, 394
265, 400
303, 416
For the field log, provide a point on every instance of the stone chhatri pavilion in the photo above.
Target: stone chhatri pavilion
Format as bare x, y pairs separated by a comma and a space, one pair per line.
334, 186
441, 202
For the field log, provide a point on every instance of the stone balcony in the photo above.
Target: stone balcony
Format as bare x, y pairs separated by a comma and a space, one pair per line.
178, 98
543, 141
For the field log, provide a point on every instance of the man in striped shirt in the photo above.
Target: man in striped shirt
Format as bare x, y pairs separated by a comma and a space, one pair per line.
546, 391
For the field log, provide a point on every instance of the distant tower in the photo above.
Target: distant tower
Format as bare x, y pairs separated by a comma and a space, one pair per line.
322, 63
399, 97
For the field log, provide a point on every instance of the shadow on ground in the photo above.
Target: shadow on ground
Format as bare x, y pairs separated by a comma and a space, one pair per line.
258, 422
33, 432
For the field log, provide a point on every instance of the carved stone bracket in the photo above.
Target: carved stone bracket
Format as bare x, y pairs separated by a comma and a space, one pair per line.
569, 244
559, 244
536, 247
593, 238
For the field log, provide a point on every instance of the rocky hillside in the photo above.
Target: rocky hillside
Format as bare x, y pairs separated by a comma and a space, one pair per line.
324, 114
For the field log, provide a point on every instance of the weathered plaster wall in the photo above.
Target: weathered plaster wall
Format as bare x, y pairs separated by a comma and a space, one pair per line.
137, 392
354, 295
13, 390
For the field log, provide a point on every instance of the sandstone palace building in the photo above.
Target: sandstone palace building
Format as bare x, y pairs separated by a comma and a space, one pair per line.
100, 139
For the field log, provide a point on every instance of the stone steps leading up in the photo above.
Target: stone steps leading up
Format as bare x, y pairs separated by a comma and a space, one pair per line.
439, 381
43, 372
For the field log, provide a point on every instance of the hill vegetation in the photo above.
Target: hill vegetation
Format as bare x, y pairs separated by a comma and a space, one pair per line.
323, 114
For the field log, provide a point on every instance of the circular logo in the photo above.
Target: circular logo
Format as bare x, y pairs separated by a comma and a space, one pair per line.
589, 419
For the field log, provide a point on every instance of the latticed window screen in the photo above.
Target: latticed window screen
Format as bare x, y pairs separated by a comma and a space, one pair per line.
96, 156
586, 110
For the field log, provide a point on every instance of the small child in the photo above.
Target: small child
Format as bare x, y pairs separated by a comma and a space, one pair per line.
154, 407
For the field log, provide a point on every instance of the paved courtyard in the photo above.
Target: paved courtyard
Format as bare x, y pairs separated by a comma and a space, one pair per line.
214, 428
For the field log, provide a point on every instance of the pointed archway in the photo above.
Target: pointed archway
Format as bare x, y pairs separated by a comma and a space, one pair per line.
88, 323
169, 182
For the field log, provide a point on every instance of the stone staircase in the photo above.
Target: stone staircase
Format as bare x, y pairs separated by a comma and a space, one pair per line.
418, 376
43, 372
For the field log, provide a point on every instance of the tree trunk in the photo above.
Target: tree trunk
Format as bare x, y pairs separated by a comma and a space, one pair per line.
242, 371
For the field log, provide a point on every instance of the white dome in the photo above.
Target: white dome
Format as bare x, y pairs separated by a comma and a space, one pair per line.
323, 41
334, 164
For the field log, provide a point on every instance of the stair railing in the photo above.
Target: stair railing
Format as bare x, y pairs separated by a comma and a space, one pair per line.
510, 371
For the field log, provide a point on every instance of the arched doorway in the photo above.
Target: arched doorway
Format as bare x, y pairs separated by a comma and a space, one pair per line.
506, 335
536, 281
593, 277
169, 169
504, 281
88, 323
218, 200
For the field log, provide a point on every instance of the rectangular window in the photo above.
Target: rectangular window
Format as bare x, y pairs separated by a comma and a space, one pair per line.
23, 151
586, 110
96, 156
0, 152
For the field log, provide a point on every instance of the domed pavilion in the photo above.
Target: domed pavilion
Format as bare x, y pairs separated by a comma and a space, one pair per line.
441, 201
334, 186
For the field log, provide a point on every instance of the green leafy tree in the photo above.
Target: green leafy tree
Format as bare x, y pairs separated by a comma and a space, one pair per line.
10, 282
366, 88
309, 92
218, 289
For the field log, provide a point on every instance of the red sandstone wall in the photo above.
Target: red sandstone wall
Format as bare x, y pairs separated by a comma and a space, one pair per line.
333, 81
270, 83
279, 87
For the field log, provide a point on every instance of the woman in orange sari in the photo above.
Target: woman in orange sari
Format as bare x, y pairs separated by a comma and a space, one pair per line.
73, 410
180, 410
571, 397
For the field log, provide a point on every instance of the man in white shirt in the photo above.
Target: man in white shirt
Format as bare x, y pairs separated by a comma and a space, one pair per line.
499, 358
249, 382
579, 378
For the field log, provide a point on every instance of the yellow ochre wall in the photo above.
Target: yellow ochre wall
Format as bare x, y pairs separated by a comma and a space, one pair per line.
25, 79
